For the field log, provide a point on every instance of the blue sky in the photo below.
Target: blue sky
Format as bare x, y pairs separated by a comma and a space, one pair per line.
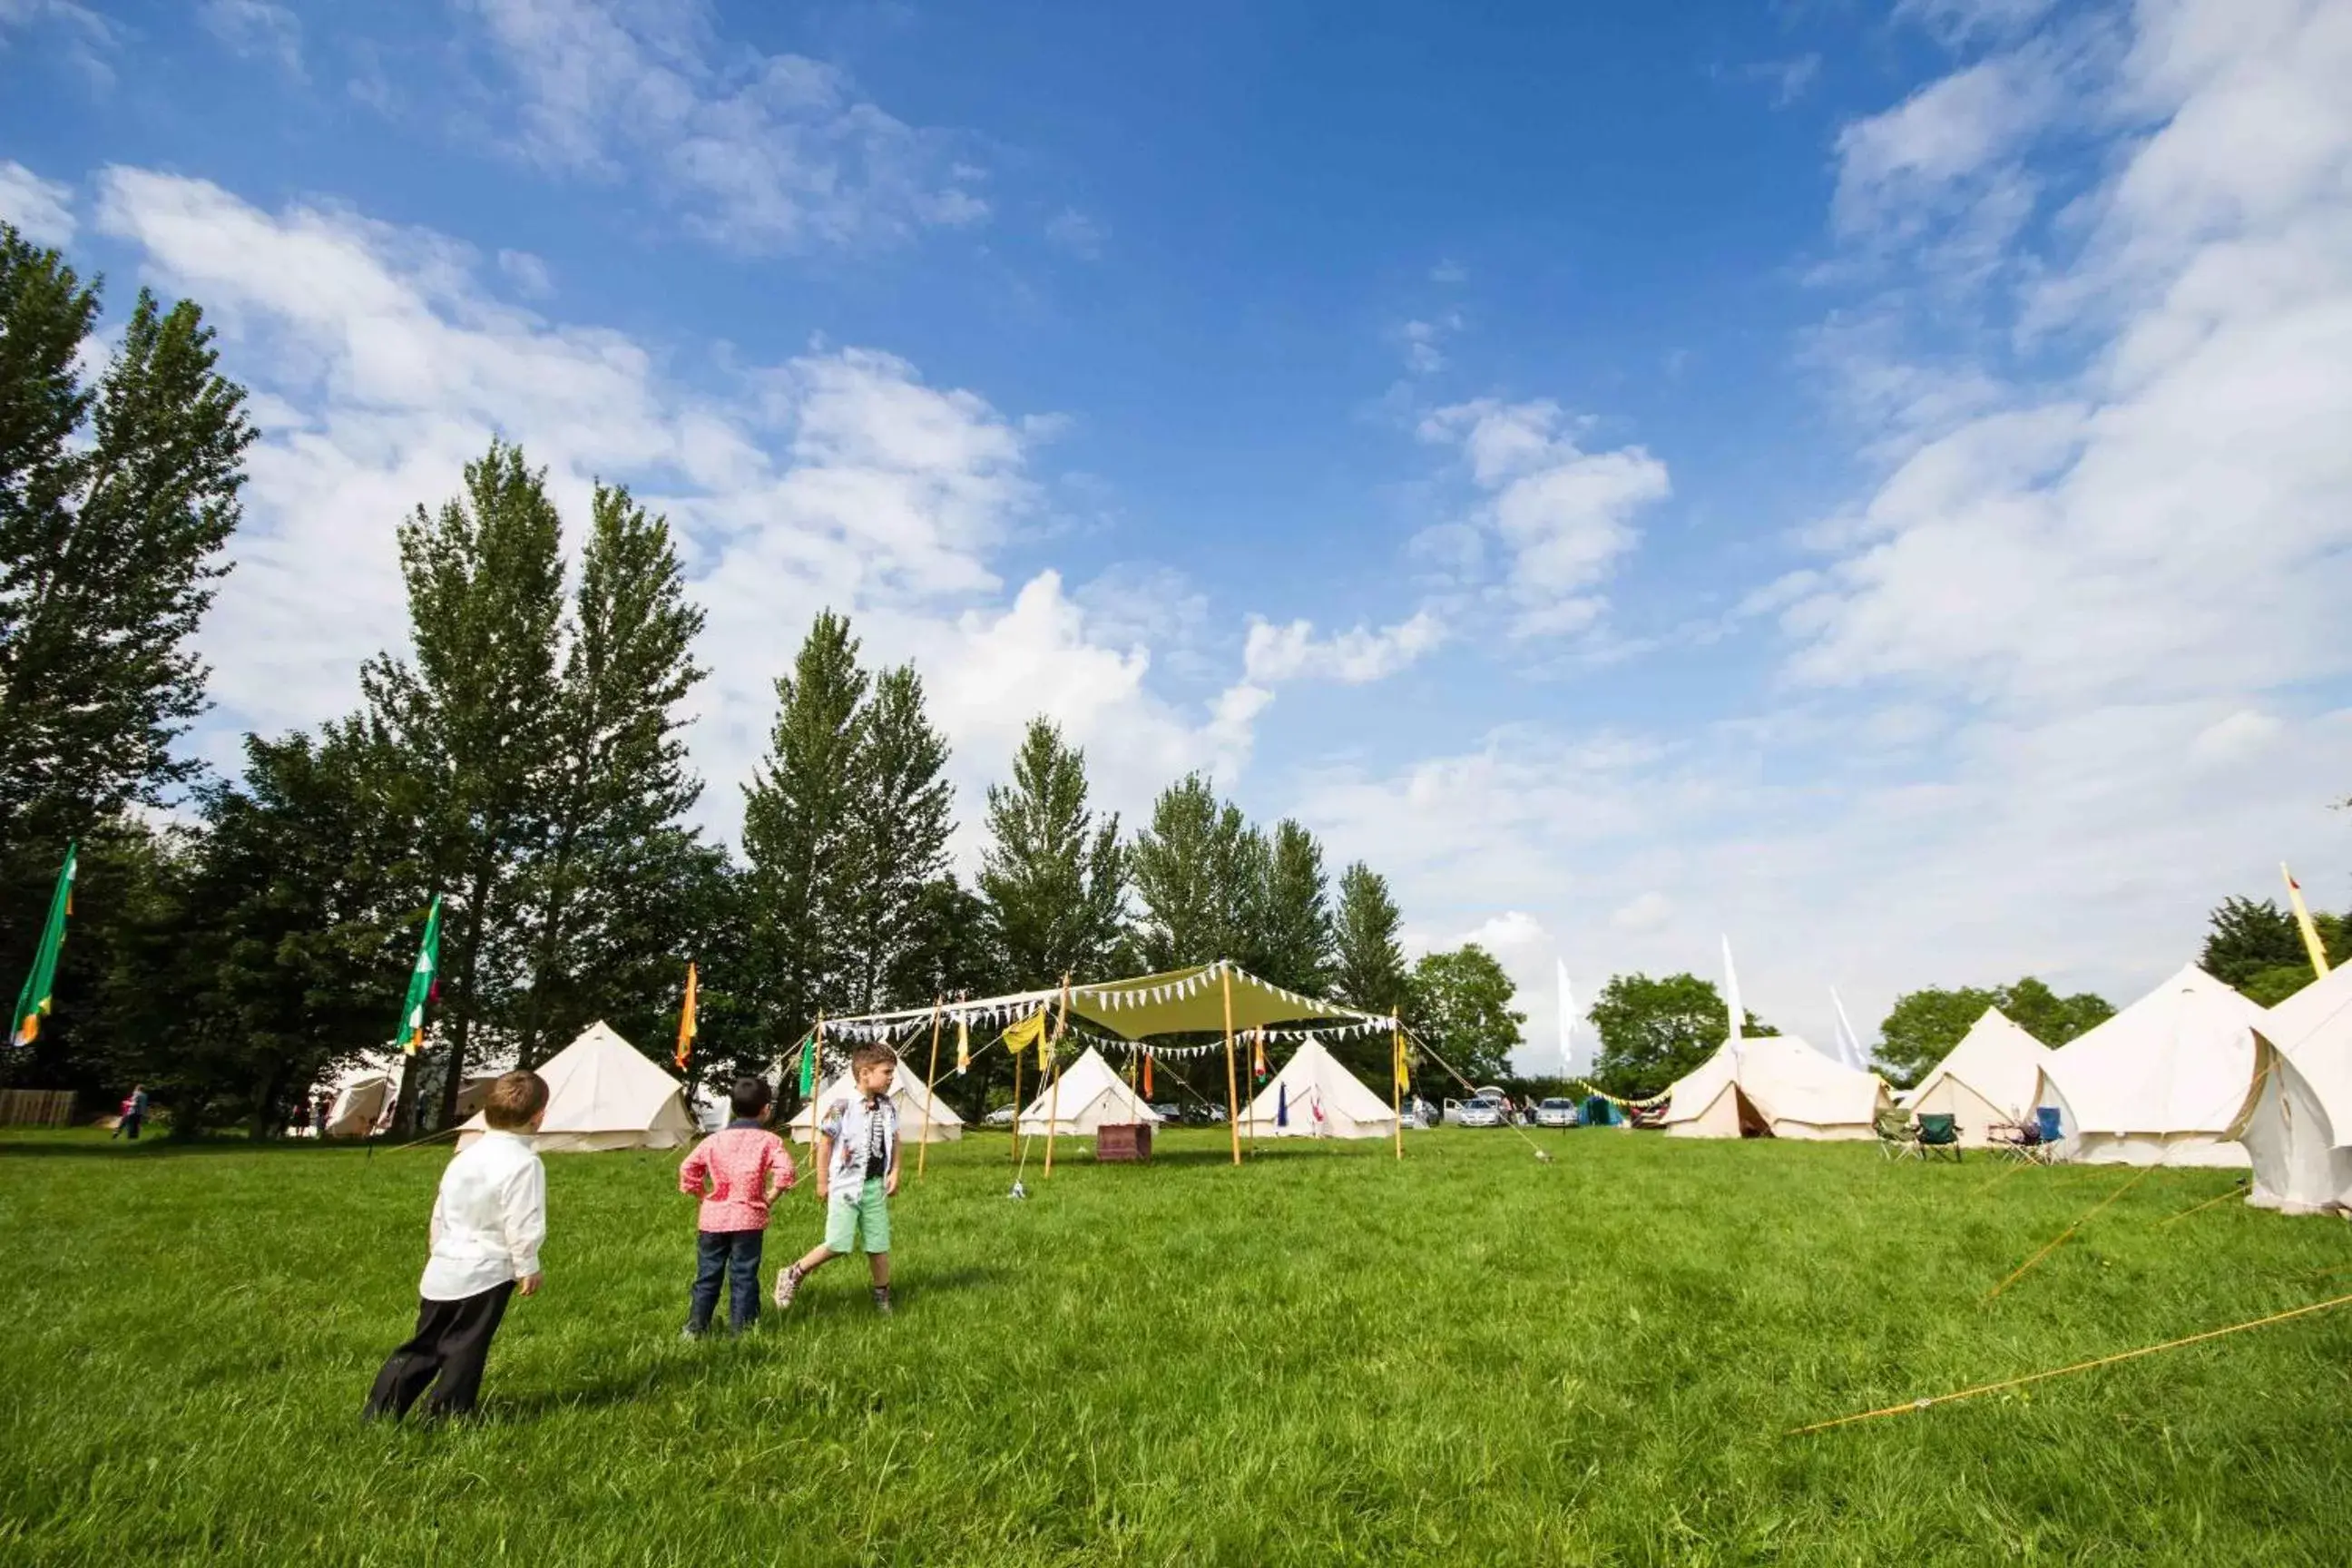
1864, 479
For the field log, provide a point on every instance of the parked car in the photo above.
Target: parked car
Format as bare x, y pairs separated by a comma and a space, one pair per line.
1556, 1112
1477, 1113
1001, 1117
1169, 1113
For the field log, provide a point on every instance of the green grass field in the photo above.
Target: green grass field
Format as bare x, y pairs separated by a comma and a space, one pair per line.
1324, 1356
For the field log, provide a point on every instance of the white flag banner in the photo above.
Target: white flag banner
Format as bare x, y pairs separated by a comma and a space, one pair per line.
1849, 1043
1732, 998
1567, 1021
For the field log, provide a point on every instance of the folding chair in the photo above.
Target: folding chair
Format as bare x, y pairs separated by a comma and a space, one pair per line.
2019, 1141
1939, 1135
1898, 1138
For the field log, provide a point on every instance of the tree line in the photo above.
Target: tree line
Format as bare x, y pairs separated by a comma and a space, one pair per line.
524, 758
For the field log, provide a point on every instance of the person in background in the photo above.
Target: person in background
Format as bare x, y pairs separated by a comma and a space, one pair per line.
736, 1172
318, 1117
488, 1222
134, 1114
856, 1176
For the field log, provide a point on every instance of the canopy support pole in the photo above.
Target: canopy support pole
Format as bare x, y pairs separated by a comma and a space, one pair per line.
1014, 1154
1396, 1085
923, 1149
1054, 1093
1232, 1086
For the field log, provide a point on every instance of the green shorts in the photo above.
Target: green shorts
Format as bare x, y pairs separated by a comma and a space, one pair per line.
857, 1213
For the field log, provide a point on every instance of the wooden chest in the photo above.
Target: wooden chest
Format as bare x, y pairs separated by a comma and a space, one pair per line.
1123, 1141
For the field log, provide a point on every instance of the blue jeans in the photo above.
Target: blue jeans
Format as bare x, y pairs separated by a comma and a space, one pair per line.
734, 1254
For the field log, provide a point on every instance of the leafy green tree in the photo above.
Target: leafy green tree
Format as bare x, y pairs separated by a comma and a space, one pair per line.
1652, 1031
1052, 879
1460, 1003
900, 817
479, 715
1201, 876
1925, 1024
611, 884
1295, 945
115, 501
1368, 969
799, 836
270, 948
2255, 947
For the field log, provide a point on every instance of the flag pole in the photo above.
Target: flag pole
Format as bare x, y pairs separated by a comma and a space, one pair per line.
1054, 1092
1396, 1085
1233, 1088
923, 1149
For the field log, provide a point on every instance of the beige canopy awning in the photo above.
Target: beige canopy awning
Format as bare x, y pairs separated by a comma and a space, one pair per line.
1180, 1001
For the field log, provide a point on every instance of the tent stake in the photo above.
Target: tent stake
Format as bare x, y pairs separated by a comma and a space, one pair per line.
1054, 1092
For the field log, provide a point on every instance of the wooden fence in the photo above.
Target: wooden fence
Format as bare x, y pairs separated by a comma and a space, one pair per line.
36, 1107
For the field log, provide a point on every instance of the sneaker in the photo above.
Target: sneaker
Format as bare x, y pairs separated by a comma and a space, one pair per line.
788, 1283
690, 1333
882, 1300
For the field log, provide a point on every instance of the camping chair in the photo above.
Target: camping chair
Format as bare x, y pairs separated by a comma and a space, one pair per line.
1898, 1138
1939, 1136
2019, 1140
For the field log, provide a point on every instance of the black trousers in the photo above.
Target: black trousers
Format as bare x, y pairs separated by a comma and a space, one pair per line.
734, 1255
128, 1125
452, 1342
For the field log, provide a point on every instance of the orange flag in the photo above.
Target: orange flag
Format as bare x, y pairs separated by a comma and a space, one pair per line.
686, 1022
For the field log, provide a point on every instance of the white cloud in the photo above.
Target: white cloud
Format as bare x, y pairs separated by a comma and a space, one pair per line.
1424, 341
1790, 78
527, 272
1564, 515
41, 210
260, 28
1075, 232
2175, 520
381, 365
86, 39
1643, 913
764, 153
1274, 654
1948, 147
1449, 272
1957, 21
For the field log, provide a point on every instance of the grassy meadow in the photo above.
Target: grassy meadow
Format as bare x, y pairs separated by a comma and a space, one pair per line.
1323, 1357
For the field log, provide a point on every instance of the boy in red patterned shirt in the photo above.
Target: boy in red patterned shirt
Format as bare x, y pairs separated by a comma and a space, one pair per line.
736, 1172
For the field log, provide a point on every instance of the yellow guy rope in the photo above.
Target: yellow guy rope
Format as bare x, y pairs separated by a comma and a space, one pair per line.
2060, 1240
2209, 1203
2064, 1371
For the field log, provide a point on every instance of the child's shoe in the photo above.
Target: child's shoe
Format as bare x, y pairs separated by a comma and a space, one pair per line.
882, 1300
788, 1283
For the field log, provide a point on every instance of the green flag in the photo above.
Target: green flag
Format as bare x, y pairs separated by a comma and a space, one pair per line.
33, 1001
423, 982
808, 1065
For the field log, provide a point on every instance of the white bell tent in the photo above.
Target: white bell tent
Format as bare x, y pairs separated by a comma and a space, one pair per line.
604, 1093
1314, 1097
2161, 1082
2297, 1122
360, 1097
1087, 1097
1773, 1085
923, 1116
1992, 1074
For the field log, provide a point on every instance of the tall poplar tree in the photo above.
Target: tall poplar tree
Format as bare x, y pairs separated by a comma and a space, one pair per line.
1054, 879
1297, 940
1368, 969
616, 872
478, 715
900, 817
1201, 874
801, 832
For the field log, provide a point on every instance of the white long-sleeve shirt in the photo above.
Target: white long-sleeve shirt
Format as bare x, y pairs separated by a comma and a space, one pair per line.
488, 1220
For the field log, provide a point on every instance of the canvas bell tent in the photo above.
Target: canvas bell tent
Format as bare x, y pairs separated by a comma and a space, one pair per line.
360, 1099
2297, 1122
1991, 1076
2161, 1082
1087, 1098
1773, 1085
1314, 1097
923, 1116
604, 1093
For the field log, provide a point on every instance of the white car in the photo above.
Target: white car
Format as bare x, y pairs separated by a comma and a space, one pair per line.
1477, 1113
1000, 1117
1556, 1113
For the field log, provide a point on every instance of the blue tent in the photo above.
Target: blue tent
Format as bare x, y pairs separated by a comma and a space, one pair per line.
1602, 1112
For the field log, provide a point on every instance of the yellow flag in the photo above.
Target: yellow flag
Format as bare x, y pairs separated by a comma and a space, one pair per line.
686, 1022
1030, 1031
963, 1046
2311, 943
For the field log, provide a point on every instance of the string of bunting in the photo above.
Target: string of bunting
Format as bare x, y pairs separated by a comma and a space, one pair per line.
1653, 1103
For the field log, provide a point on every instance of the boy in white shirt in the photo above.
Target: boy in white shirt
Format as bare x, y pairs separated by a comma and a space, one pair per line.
487, 1224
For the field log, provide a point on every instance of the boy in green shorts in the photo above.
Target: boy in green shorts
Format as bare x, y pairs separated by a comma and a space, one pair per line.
856, 1174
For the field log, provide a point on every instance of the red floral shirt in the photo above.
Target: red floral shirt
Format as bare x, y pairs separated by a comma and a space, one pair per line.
737, 1173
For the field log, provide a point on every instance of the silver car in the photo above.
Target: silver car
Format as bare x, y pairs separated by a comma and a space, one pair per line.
1477, 1113
1556, 1113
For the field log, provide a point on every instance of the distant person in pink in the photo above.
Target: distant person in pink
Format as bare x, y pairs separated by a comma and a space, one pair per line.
737, 1173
